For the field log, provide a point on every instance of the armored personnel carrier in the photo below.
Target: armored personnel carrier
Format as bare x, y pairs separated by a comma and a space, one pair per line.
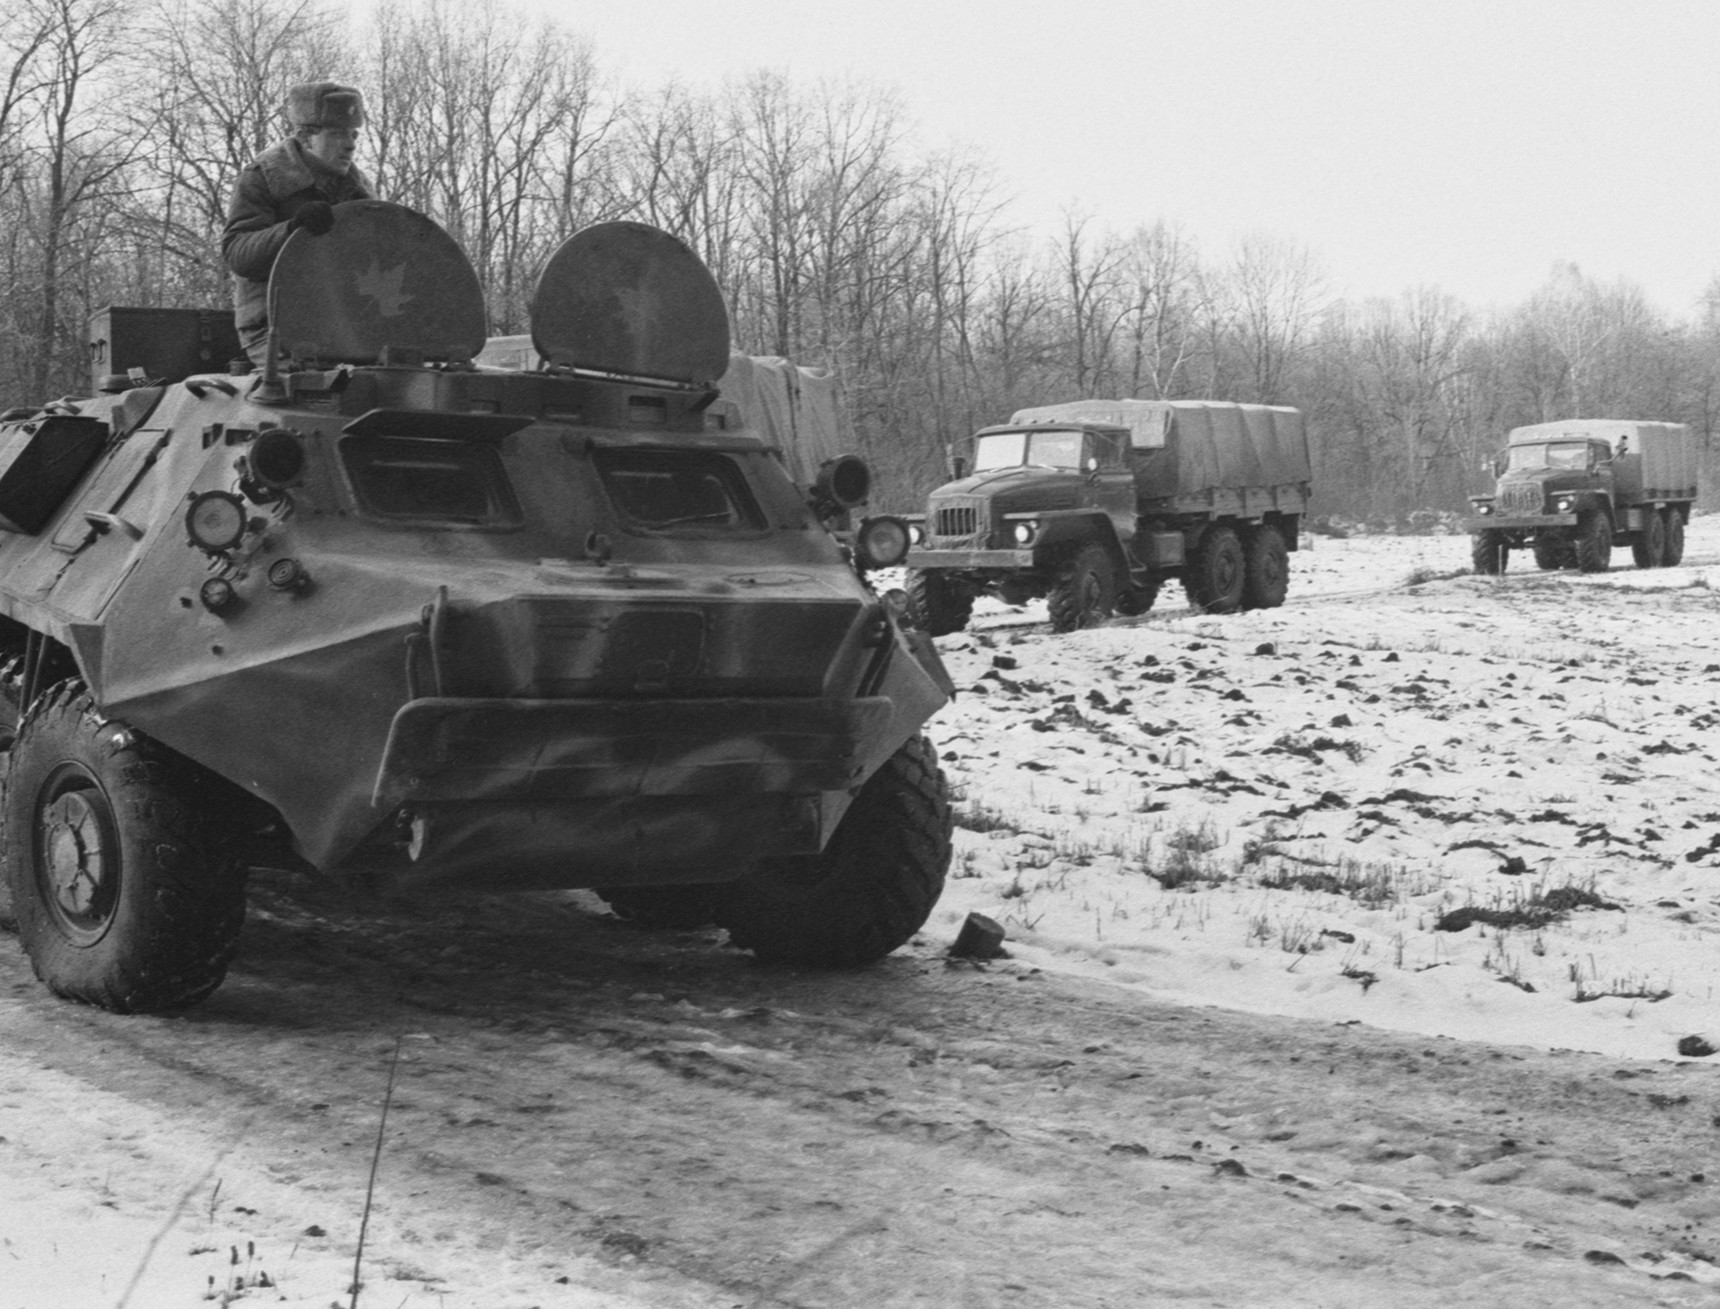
379, 612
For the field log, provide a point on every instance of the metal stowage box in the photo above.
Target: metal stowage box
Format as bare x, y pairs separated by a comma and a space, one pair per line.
167, 344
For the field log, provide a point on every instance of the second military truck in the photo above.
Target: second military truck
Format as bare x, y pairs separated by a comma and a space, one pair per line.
1095, 503
1569, 491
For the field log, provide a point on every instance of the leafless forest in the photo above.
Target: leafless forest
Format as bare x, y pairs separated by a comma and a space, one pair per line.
837, 237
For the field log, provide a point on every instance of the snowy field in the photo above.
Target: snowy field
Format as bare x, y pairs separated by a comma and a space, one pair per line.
1278, 811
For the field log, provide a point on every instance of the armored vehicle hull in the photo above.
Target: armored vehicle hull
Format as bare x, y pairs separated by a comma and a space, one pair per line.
389, 615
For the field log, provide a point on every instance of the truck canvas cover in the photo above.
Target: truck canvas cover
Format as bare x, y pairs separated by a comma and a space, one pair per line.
1653, 461
1196, 445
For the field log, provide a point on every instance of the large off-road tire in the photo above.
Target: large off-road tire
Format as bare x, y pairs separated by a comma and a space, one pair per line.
125, 886
1674, 554
1648, 547
1133, 600
1593, 545
1551, 553
1266, 575
869, 891
937, 605
1215, 574
1085, 592
1489, 552
664, 908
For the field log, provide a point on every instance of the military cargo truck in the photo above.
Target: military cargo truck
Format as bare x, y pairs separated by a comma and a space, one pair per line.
1095, 504
383, 613
1570, 491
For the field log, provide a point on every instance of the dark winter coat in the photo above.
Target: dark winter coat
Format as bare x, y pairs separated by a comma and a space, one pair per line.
269, 192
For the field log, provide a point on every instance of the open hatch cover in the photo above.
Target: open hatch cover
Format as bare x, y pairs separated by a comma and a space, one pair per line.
629, 299
384, 276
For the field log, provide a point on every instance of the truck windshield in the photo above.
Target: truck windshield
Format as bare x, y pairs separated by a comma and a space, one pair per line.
1051, 449
1553, 454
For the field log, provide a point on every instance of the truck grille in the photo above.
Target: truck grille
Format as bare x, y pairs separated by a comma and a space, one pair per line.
1520, 499
960, 522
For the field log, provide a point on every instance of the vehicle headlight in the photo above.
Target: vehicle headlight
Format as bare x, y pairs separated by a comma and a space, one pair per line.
881, 542
215, 521
1483, 509
1566, 504
917, 533
1025, 532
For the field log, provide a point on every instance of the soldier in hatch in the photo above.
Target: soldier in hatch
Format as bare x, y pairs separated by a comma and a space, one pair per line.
293, 184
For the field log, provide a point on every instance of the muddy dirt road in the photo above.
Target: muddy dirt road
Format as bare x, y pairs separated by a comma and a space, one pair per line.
586, 1113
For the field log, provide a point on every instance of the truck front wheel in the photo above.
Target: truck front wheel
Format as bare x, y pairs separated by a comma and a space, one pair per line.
1267, 575
872, 888
1674, 538
1648, 547
1085, 593
1594, 542
1489, 553
126, 889
938, 605
1214, 576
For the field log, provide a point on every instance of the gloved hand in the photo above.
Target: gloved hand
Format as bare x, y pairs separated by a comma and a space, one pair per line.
315, 216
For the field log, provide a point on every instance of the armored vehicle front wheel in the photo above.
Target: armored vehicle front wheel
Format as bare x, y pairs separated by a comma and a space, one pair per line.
1085, 593
1489, 553
663, 908
869, 891
1674, 554
1214, 575
1266, 579
126, 891
938, 605
1594, 542
1648, 548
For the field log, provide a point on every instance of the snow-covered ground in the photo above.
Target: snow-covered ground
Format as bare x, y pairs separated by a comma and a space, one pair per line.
1273, 811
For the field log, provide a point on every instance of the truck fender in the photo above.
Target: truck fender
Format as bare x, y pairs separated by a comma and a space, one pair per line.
1063, 530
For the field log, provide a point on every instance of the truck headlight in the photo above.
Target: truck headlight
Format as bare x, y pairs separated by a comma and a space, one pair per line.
1025, 532
917, 533
1483, 510
1566, 504
881, 542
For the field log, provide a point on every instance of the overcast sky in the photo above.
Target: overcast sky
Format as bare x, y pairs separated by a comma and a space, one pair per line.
1467, 144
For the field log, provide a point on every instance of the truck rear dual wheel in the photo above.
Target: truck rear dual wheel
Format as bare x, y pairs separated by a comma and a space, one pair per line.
1551, 553
870, 890
1266, 577
1215, 575
1648, 547
937, 604
124, 882
1085, 592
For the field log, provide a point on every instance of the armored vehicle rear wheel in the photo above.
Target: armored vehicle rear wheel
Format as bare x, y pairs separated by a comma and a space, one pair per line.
1594, 542
1674, 539
937, 605
125, 887
869, 891
1266, 578
1551, 553
1214, 575
1085, 593
1138, 599
1648, 548
666, 908
1489, 553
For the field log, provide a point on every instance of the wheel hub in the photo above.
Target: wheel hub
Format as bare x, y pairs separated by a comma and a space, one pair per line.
76, 861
